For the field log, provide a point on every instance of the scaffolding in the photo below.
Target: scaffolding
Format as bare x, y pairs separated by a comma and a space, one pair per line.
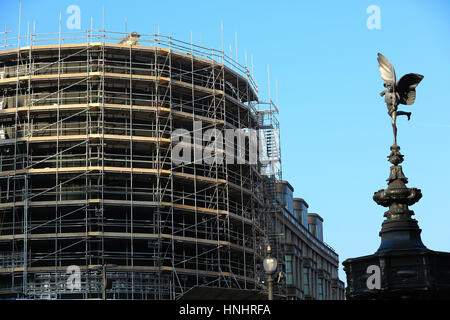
87, 177
271, 168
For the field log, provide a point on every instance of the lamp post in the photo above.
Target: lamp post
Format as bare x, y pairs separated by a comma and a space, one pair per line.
270, 266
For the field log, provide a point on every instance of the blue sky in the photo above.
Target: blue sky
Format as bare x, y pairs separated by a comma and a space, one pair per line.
335, 130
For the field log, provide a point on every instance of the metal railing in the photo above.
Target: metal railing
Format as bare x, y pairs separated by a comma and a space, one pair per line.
10, 41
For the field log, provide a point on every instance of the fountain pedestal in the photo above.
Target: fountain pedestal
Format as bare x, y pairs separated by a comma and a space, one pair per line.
402, 267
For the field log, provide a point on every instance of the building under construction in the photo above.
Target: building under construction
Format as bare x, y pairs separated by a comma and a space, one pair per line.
92, 204
86, 173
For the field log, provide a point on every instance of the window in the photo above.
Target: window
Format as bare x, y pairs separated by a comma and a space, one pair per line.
305, 216
320, 289
298, 215
313, 229
334, 294
289, 278
306, 281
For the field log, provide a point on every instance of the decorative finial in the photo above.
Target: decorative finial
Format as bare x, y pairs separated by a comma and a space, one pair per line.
395, 157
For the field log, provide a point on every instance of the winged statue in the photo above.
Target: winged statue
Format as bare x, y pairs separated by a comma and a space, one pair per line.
398, 92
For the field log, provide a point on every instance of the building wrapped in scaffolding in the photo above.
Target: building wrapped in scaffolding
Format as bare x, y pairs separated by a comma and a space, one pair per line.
86, 175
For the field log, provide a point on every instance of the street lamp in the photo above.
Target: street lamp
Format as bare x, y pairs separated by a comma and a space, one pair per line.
270, 266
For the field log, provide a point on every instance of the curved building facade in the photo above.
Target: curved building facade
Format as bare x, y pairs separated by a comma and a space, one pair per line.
91, 203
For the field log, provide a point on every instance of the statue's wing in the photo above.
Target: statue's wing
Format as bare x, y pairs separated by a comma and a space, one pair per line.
406, 87
386, 69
